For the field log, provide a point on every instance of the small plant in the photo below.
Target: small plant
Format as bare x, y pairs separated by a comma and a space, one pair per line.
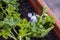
10, 19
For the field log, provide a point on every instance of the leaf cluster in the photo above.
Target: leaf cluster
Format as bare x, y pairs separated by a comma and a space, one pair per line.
10, 18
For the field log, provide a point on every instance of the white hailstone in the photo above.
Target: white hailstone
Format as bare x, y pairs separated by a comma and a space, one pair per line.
30, 15
33, 18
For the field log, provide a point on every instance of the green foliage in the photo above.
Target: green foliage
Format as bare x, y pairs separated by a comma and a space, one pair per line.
27, 38
43, 26
16, 15
24, 24
11, 10
44, 10
22, 32
1, 15
5, 32
0, 5
10, 18
10, 21
10, 1
7, 24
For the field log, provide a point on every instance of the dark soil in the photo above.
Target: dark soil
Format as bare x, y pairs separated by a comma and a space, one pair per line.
24, 9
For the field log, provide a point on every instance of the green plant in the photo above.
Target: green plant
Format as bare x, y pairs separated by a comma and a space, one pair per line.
10, 18
43, 26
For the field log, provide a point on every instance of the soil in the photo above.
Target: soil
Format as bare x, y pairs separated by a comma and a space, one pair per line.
24, 9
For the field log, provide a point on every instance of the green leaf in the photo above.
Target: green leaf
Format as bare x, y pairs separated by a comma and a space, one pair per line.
16, 15
10, 1
11, 21
10, 9
16, 6
44, 10
45, 32
0, 0
34, 26
27, 38
5, 33
1, 23
22, 32
43, 26
24, 24
0, 5
1, 15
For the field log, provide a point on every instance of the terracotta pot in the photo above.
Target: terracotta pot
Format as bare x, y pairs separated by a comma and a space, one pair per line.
38, 5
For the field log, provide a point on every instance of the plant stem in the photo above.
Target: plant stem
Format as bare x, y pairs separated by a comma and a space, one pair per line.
27, 34
20, 38
4, 11
13, 36
15, 31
